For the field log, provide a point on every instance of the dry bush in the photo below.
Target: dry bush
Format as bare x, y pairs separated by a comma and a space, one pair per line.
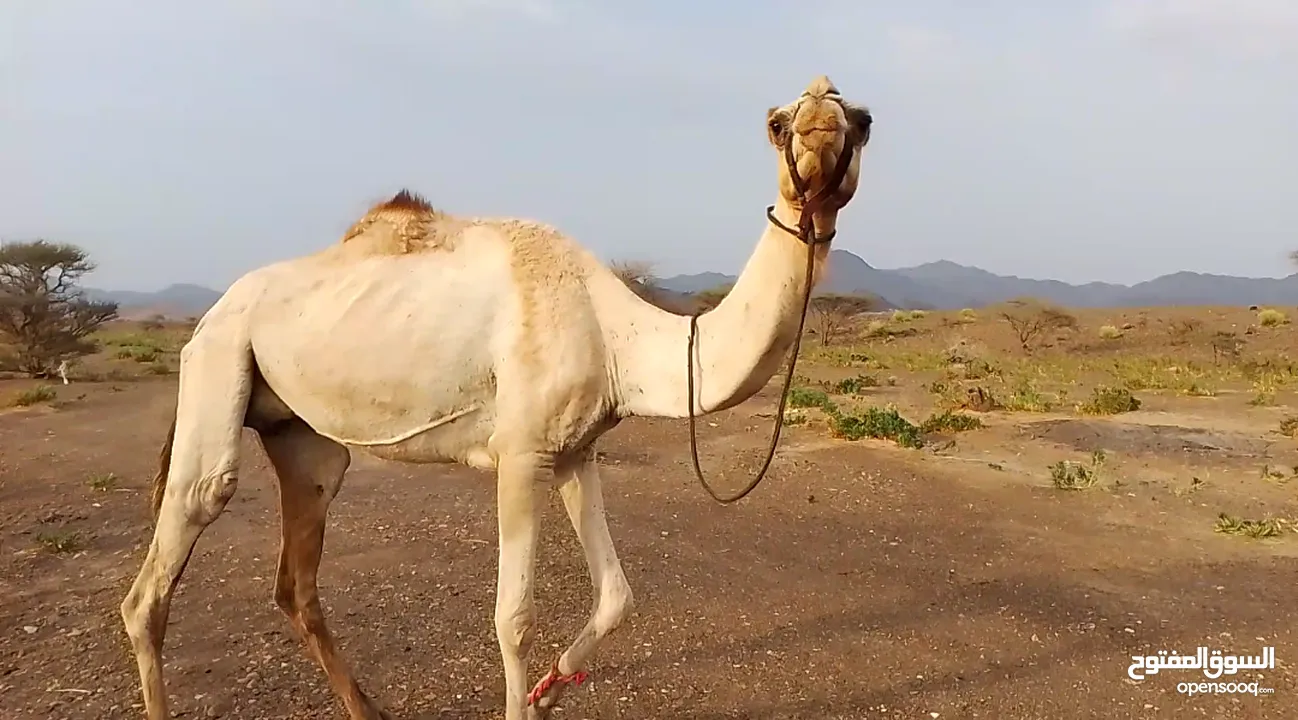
1109, 401
831, 314
1270, 317
1184, 330
34, 396
967, 362
1068, 475
901, 316
978, 399
886, 330
1032, 319
1226, 346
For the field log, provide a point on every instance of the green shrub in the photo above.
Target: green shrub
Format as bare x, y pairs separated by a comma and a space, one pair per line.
883, 424
800, 397
35, 395
949, 421
1109, 401
853, 385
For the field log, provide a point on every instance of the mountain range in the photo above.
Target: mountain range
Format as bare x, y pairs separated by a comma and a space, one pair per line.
937, 285
945, 285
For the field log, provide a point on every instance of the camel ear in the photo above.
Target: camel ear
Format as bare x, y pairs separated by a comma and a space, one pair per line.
859, 121
777, 125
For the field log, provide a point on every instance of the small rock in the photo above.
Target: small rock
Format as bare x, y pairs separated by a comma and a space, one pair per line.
30, 629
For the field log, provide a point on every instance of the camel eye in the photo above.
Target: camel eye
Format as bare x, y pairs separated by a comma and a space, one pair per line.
776, 127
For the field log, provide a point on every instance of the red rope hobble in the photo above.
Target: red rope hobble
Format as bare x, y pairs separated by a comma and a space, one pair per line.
553, 678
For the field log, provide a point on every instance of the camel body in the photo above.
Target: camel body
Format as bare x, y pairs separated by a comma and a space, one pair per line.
322, 329
499, 344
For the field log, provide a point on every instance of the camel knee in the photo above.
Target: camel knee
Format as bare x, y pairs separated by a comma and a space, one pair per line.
201, 501
216, 492
615, 605
516, 630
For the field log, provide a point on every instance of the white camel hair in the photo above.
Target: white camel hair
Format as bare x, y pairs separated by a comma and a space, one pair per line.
500, 344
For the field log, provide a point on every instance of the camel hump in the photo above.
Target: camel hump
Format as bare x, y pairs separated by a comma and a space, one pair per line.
404, 224
406, 201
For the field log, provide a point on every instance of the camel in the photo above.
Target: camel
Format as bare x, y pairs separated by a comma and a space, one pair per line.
500, 344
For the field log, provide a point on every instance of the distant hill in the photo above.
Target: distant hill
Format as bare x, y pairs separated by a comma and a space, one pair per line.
941, 285
944, 285
175, 301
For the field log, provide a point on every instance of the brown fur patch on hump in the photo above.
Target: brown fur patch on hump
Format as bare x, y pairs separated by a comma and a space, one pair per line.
405, 224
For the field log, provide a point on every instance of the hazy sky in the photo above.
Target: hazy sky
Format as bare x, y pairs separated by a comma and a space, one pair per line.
1093, 139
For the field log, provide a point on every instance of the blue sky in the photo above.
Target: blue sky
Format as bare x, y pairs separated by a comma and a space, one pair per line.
1094, 139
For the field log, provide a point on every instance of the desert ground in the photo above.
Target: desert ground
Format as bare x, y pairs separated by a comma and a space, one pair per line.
954, 527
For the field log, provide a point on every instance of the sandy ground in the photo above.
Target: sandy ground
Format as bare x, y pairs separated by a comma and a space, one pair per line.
862, 580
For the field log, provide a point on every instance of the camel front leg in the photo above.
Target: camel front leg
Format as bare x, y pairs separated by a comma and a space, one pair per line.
518, 515
583, 498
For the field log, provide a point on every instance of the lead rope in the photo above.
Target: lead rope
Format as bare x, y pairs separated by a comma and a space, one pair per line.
806, 232
784, 394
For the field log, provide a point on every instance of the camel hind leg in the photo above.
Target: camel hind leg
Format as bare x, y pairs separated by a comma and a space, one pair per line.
197, 477
310, 469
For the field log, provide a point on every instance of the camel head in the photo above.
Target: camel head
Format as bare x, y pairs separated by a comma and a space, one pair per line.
812, 133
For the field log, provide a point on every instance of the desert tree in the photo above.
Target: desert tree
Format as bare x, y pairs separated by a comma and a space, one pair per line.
1031, 320
639, 276
44, 314
831, 313
634, 272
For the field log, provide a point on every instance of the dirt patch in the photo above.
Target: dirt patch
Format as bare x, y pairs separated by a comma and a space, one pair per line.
855, 583
1141, 439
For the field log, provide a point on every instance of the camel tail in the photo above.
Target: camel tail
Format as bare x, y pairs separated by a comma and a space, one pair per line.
164, 463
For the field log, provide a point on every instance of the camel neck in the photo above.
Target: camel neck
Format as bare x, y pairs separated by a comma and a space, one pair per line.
740, 344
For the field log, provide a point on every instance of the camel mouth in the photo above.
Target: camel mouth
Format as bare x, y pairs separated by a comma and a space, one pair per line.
826, 128
819, 136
